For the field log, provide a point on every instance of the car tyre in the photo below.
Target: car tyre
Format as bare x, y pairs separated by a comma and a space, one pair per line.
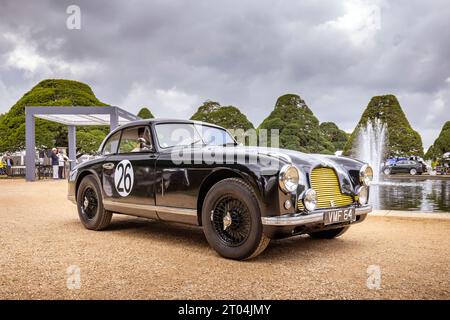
90, 205
231, 219
413, 172
329, 234
387, 171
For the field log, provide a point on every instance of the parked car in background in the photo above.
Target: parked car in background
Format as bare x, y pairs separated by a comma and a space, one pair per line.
405, 166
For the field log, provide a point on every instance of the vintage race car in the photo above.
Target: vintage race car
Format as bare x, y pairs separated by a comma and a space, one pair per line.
196, 173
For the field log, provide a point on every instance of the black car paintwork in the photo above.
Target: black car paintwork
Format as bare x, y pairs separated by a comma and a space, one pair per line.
160, 182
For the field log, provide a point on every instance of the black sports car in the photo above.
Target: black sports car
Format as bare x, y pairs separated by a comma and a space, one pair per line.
405, 166
196, 173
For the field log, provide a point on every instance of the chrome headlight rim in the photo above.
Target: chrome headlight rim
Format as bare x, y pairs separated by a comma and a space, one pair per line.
366, 175
363, 195
310, 200
288, 188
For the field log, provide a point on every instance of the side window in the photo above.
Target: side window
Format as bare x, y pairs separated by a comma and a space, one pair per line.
111, 145
136, 139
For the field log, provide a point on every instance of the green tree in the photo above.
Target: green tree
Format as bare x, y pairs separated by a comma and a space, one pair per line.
228, 117
53, 92
298, 127
401, 138
89, 140
145, 113
337, 136
441, 145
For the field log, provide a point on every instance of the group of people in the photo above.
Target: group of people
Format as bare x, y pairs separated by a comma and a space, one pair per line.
58, 161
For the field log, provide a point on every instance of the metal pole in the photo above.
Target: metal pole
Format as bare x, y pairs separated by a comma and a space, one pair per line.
72, 139
113, 119
29, 146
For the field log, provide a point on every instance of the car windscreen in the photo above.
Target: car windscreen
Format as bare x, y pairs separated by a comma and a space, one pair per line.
176, 134
214, 136
185, 134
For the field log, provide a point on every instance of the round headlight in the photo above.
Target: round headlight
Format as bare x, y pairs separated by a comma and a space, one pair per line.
366, 175
310, 200
289, 178
363, 195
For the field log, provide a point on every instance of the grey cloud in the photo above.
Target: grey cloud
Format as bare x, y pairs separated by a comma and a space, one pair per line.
245, 53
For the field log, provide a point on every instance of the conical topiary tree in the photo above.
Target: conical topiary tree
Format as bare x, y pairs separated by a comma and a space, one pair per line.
298, 127
441, 145
228, 117
145, 113
337, 136
402, 140
52, 92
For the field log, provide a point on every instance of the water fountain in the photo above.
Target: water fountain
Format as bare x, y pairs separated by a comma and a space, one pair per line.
371, 143
399, 194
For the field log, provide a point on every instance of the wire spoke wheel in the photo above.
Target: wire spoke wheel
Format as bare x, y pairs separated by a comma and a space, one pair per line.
89, 203
231, 221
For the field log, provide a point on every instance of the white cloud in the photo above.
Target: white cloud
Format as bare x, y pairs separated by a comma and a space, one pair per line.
437, 107
361, 21
24, 56
170, 103
8, 95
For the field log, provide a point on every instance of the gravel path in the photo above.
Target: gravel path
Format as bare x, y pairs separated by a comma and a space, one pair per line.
40, 237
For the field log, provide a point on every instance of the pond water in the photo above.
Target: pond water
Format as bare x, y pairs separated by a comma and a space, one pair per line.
411, 194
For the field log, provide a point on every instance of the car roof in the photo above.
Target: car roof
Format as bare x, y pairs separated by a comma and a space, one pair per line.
154, 121
164, 120
159, 121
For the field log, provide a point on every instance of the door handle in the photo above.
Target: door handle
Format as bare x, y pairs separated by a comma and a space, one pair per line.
108, 166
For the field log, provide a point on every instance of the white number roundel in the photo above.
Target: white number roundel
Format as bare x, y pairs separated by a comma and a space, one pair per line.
124, 178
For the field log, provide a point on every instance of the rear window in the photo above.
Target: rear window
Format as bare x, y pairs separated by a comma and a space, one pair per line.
111, 144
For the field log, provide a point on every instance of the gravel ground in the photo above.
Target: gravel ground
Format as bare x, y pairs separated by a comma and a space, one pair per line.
40, 237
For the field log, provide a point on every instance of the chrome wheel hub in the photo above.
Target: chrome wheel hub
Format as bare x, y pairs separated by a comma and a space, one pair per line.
227, 221
85, 203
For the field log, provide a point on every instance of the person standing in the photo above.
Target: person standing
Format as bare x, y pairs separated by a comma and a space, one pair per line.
61, 162
9, 164
55, 163
2, 167
41, 157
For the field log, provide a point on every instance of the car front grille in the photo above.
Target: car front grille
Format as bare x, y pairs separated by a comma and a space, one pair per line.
326, 184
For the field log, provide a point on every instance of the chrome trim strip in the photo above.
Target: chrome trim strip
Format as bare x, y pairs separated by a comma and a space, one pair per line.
299, 219
148, 207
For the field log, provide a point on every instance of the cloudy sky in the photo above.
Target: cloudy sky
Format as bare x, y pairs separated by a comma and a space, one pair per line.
172, 55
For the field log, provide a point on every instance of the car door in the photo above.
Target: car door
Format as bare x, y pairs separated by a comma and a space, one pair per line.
398, 167
406, 166
129, 173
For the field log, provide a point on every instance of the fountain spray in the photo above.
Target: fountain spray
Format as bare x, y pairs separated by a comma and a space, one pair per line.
371, 144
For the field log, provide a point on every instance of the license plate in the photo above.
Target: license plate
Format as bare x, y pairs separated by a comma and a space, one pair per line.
338, 216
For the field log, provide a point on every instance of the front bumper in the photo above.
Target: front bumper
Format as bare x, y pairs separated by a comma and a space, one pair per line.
293, 224
298, 219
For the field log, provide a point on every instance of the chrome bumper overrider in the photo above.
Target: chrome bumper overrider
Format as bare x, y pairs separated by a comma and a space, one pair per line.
302, 219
